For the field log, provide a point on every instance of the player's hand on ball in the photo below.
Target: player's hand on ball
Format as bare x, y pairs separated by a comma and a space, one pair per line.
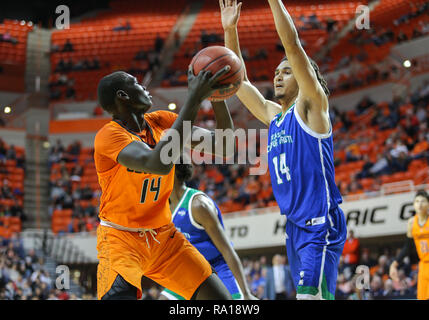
202, 85
230, 13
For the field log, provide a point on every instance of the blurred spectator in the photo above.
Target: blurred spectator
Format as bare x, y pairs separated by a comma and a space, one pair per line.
159, 44
7, 37
377, 290
382, 268
279, 283
23, 276
331, 25
152, 294
68, 46
122, 26
351, 250
70, 91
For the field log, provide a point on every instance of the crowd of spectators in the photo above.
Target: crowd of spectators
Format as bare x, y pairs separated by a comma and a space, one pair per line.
406, 118
380, 286
62, 80
67, 47
147, 61
270, 279
178, 77
409, 138
416, 11
11, 195
359, 75
61, 83
380, 36
67, 191
81, 65
23, 275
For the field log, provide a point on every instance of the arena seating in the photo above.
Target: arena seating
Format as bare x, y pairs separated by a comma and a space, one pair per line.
257, 30
94, 38
382, 19
357, 145
11, 191
63, 219
13, 54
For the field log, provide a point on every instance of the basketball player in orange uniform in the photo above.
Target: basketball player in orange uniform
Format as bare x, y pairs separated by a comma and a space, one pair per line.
417, 229
136, 235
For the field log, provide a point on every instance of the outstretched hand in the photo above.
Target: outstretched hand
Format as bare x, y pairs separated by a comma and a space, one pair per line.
230, 13
202, 85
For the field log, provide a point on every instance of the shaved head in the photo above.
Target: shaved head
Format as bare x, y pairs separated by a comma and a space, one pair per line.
107, 88
122, 89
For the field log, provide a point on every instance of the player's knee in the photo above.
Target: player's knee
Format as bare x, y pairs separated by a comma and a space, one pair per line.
121, 290
212, 289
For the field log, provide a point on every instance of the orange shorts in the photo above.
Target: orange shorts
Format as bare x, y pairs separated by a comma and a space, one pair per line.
423, 281
173, 263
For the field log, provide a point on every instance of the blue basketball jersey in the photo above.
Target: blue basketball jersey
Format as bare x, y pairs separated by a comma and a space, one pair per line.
195, 233
302, 172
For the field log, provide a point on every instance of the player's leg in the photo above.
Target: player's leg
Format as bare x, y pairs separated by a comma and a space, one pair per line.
227, 277
212, 289
180, 267
224, 274
293, 257
320, 254
120, 268
423, 281
120, 290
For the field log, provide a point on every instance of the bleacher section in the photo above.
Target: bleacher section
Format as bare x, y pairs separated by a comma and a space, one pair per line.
11, 189
256, 30
385, 22
95, 38
13, 54
73, 182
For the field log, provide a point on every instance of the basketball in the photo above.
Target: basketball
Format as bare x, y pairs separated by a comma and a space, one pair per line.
215, 58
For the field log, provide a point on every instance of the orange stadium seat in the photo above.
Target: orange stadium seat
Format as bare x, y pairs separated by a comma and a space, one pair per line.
94, 38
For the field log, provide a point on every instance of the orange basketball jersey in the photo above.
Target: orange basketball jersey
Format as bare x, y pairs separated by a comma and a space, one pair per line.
132, 199
421, 238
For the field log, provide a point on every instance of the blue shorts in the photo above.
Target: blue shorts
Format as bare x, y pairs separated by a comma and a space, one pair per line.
314, 255
228, 279
225, 275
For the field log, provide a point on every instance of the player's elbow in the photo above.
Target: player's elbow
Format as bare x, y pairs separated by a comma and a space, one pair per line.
155, 166
292, 44
161, 168
164, 169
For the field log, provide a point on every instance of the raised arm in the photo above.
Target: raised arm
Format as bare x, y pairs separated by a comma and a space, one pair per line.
204, 213
139, 157
264, 110
312, 98
304, 73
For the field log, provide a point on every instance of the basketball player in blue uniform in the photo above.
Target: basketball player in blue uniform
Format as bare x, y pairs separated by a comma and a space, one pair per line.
198, 217
300, 156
